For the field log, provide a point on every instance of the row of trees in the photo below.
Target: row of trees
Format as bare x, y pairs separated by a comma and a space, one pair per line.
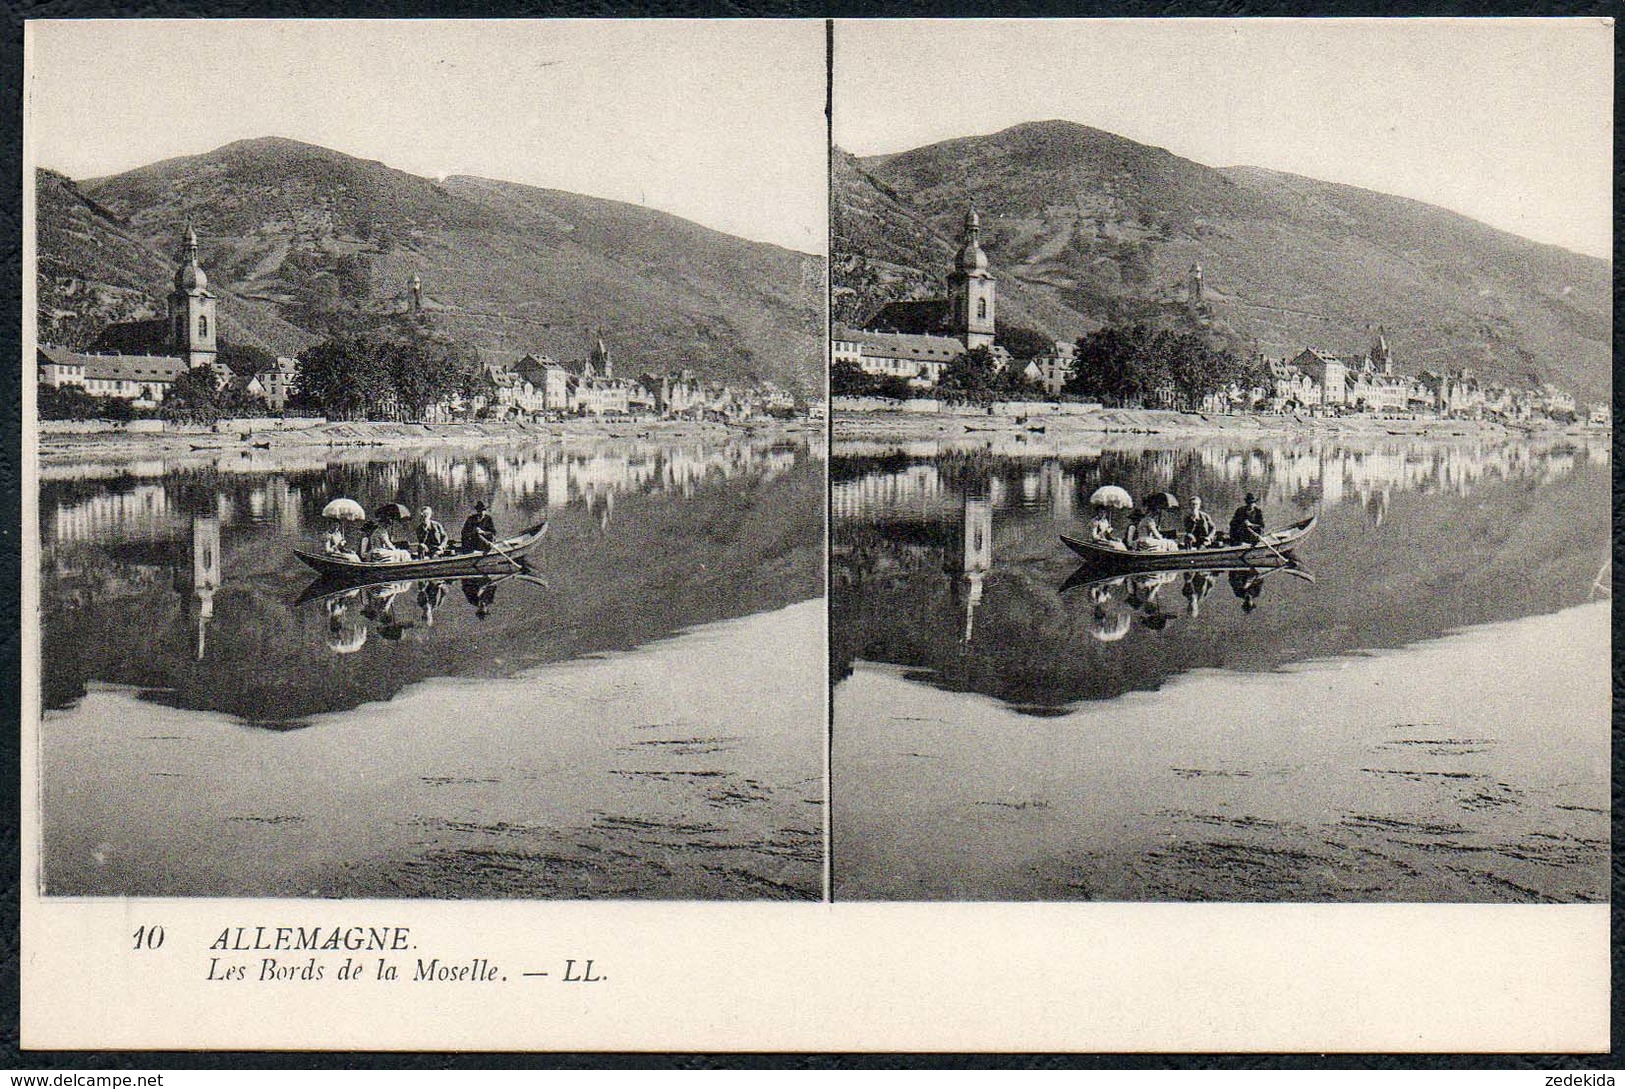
1118, 365
383, 373
1132, 364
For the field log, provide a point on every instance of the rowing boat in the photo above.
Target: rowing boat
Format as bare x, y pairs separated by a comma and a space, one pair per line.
506, 555
1271, 548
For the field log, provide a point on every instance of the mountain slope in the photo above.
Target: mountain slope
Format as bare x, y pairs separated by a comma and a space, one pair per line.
326, 242
1083, 227
93, 270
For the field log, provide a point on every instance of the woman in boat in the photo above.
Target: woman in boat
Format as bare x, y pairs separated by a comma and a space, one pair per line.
1101, 531
1146, 535
337, 545
377, 547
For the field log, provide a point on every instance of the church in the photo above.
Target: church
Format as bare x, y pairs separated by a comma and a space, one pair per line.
137, 361
915, 339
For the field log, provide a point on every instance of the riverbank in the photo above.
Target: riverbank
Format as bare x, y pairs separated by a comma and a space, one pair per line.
113, 444
897, 426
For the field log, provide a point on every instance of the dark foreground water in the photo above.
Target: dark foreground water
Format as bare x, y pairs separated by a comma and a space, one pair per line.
1419, 714
217, 725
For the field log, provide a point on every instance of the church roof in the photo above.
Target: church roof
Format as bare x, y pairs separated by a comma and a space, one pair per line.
910, 316
149, 336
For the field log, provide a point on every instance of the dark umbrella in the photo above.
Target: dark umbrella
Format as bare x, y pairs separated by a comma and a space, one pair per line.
1161, 501
392, 512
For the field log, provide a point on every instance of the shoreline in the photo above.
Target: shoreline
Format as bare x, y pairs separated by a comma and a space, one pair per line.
64, 446
903, 427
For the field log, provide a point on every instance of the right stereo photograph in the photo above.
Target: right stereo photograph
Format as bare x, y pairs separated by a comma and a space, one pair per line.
1220, 460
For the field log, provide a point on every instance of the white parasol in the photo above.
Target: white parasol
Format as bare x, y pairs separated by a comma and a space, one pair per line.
1111, 496
344, 510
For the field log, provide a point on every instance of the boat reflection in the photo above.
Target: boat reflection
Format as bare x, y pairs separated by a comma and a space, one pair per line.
402, 608
1117, 599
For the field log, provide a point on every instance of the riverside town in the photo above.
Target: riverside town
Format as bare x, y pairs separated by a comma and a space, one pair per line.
921, 354
394, 364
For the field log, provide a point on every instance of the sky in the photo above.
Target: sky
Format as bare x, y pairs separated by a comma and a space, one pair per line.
719, 122
1509, 121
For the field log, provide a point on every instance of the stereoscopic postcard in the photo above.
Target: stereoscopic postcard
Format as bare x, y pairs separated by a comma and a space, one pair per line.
540, 536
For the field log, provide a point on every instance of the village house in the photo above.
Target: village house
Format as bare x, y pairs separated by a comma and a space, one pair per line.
1052, 370
1329, 374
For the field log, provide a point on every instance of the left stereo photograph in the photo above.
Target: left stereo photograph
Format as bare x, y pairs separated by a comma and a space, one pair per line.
427, 465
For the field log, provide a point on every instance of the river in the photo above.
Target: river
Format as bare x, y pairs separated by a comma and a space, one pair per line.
217, 725
1420, 712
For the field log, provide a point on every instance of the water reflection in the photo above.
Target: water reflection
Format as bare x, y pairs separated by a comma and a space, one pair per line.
1416, 538
179, 580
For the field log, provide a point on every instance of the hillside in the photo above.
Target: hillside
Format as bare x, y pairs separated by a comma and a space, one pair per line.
94, 270
1083, 227
323, 241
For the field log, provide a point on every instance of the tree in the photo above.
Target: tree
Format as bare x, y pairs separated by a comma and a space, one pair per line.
405, 365
1130, 365
973, 372
245, 359
343, 376
194, 397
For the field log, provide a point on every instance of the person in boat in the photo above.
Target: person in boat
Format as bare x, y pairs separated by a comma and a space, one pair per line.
377, 547
1145, 535
479, 531
1101, 531
1199, 529
337, 545
1247, 524
433, 540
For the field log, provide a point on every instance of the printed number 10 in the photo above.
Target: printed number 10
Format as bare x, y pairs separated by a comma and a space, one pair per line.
149, 937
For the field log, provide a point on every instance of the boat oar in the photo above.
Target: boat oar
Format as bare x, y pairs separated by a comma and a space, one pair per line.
497, 548
1265, 542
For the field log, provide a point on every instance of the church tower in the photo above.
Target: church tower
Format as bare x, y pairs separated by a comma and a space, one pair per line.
599, 359
415, 288
191, 310
970, 289
1193, 283
1382, 357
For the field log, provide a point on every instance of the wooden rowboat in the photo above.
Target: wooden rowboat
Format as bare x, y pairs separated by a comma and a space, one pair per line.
1250, 554
507, 555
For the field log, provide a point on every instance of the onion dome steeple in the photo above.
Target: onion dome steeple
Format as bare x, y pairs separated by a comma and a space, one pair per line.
190, 276
971, 258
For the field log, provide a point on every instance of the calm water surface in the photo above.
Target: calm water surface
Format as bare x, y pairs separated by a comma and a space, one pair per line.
1008, 726
218, 725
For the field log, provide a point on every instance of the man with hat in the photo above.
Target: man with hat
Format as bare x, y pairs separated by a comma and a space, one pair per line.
479, 532
1247, 524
